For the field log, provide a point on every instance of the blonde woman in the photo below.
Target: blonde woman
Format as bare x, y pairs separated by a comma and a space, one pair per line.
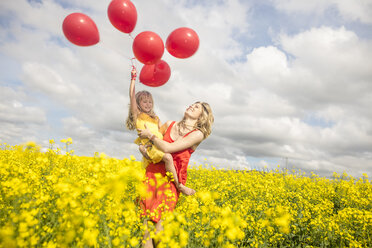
180, 140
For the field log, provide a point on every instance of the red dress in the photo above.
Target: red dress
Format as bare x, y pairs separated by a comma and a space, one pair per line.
162, 194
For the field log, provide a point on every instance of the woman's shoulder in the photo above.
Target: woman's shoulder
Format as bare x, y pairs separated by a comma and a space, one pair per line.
165, 126
168, 123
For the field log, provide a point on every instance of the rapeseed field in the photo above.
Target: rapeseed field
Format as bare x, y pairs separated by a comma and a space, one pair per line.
54, 199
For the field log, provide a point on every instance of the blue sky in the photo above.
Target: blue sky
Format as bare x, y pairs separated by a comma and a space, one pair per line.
285, 79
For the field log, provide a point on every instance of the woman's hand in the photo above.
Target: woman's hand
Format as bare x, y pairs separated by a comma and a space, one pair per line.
145, 133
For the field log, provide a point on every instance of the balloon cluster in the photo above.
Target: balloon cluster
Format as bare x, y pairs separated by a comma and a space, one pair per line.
148, 47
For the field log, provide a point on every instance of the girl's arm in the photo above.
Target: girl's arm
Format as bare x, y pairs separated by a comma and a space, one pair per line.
191, 140
132, 94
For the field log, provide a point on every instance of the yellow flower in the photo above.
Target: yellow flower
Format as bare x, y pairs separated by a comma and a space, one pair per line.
116, 241
90, 236
53, 200
133, 241
51, 244
89, 223
205, 196
70, 235
232, 233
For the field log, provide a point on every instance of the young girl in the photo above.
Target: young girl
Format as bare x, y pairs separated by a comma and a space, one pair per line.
142, 116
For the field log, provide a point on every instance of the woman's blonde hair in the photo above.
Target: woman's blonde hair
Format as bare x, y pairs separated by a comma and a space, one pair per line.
204, 122
131, 122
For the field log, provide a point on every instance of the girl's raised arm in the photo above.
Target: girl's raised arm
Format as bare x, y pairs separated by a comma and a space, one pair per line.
132, 94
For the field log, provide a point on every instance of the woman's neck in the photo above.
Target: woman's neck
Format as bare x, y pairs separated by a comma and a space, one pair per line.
190, 123
184, 126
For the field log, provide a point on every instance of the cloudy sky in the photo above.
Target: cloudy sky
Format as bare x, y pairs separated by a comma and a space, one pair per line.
289, 81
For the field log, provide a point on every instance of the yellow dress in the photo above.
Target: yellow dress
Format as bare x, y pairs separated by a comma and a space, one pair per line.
153, 152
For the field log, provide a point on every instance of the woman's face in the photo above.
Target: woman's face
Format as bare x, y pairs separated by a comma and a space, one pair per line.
145, 104
194, 110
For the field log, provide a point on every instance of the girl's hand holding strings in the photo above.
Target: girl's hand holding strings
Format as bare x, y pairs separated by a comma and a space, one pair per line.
133, 73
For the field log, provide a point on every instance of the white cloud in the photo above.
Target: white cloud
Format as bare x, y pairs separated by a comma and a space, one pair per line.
43, 78
46, 16
19, 122
216, 23
348, 9
317, 76
13, 110
331, 64
76, 128
265, 65
356, 10
306, 97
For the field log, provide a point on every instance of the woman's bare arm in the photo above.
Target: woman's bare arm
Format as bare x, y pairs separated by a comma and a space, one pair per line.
182, 143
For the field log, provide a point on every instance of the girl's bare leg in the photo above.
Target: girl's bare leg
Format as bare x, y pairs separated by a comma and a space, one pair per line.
169, 166
147, 240
159, 227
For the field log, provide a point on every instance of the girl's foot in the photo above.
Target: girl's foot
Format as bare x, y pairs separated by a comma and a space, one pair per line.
185, 190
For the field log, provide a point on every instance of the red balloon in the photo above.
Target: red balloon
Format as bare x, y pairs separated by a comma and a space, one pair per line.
80, 29
122, 15
148, 47
155, 75
182, 43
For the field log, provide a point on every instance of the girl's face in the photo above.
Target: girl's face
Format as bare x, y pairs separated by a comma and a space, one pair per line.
145, 104
194, 110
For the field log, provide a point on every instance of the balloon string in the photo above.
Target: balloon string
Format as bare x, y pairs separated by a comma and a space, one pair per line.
132, 59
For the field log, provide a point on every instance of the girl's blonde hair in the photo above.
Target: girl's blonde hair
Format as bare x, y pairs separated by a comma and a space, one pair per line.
204, 122
131, 122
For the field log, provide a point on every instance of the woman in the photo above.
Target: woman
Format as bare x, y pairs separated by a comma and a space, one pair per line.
180, 139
